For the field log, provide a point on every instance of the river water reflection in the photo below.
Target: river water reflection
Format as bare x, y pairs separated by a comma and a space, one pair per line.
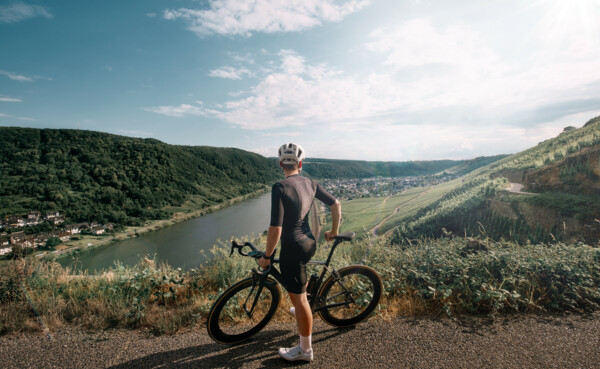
181, 244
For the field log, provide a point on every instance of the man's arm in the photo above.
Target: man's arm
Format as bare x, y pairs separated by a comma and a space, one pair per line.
273, 235
336, 216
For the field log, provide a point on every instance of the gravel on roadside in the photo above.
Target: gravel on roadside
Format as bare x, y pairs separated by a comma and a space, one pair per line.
519, 341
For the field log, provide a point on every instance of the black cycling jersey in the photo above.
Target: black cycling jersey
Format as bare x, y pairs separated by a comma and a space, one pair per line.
291, 200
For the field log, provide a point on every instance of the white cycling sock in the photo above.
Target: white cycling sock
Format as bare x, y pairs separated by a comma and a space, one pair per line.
306, 343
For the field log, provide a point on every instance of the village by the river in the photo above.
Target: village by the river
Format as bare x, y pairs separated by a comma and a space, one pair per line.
61, 236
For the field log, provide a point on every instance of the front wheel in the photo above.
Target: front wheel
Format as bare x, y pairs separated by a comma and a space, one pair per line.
350, 297
243, 310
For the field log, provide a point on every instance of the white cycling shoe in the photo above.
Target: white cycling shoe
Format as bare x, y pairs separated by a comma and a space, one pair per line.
295, 354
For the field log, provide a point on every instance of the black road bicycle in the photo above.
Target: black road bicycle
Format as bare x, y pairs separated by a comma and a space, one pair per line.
347, 297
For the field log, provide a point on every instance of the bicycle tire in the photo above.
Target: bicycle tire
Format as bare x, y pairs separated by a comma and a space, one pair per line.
227, 321
364, 285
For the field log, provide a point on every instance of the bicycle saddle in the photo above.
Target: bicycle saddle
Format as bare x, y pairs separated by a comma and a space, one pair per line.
345, 236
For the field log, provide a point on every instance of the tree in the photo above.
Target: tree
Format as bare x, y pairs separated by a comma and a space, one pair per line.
52, 243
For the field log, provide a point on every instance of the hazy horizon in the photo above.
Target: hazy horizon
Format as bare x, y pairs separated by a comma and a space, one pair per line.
375, 80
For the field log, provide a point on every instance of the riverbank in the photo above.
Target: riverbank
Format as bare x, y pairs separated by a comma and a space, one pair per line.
86, 243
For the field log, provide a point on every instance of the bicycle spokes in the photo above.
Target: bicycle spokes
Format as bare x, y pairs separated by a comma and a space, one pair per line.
348, 296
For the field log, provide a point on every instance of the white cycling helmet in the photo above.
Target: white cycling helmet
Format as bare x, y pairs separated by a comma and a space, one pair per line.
291, 154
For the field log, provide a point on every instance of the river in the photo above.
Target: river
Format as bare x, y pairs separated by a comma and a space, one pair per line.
181, 244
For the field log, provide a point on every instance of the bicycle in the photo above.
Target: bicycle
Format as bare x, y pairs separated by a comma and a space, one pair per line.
347, 297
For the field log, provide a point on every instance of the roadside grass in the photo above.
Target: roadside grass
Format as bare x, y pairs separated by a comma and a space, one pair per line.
426, 277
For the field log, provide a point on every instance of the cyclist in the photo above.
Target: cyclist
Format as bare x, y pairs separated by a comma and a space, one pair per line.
291, 200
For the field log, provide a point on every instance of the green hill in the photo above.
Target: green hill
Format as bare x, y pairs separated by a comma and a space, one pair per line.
93, 176
328, 168
468, 166
565, 206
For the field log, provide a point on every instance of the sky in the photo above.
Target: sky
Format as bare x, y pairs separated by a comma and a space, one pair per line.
389, 80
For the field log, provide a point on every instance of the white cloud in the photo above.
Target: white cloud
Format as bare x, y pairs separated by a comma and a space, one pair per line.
135, 133
10, 99
247, 59
418, 42
16, 77
20, 118
291, 62
20, 11
179, 111
434, 67
439, 92
230, 73
296, 95
242, 17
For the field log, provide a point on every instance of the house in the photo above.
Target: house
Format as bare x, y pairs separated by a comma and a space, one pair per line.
58, 220
52, 214
29, 242
42, 238
5, 250
64, 236
72, 229
15, 221
17, 237
98, 230
4, 241
109, 226
33, 217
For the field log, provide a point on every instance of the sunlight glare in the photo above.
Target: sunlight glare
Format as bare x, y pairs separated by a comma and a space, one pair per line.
569, 27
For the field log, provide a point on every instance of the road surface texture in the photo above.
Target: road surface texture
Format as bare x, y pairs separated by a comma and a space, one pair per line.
520, 341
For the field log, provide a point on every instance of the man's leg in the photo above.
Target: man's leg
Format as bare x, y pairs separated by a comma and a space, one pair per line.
304, 316
304, 319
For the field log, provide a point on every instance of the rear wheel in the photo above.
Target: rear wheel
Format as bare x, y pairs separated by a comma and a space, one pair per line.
243, 310
351, 298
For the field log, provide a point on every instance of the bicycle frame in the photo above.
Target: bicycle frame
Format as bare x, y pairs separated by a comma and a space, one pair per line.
260, 277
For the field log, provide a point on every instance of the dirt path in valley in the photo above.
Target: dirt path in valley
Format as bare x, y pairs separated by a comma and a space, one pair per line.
376, 228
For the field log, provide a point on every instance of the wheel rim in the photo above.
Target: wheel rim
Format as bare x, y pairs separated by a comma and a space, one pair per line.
234, 321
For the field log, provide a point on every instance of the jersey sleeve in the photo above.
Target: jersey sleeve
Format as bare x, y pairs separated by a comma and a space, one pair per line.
324, 196
277, 205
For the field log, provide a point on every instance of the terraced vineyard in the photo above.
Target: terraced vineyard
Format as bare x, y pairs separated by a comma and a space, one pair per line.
361, 215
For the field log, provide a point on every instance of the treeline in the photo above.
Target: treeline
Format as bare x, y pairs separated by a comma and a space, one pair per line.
329, 169
94, 176
470, 165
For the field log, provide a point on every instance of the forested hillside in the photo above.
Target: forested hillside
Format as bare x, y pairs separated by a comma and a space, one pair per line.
325, 168
468, 166
564, 174
93, 176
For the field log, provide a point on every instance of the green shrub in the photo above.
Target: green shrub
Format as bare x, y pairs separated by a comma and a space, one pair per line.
443, 275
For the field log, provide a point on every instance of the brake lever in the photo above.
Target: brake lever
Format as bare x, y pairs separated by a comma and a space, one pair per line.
234, 246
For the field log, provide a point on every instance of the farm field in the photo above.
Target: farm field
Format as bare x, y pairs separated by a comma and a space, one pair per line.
424, 197
361, 215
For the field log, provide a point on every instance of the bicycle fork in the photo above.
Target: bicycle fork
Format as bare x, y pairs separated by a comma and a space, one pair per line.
258, 283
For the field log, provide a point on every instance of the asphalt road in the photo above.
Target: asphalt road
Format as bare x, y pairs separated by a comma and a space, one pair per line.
520, 341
